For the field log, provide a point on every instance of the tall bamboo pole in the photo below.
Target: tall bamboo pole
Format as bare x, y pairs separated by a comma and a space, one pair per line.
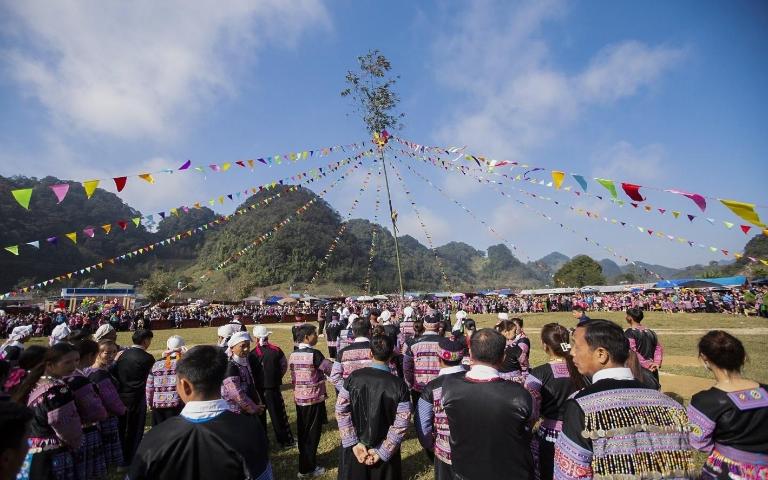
394, 226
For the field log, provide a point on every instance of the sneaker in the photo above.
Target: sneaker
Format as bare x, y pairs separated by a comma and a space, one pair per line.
317, 472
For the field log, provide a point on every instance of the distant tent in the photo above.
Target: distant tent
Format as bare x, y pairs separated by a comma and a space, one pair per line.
273, 300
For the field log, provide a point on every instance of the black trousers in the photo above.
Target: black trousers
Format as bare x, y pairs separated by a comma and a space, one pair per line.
309, 425
443, 471
354, 470
159, 415
273, 399
131, 428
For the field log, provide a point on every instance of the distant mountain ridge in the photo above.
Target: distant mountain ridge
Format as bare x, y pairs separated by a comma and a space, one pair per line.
289, 258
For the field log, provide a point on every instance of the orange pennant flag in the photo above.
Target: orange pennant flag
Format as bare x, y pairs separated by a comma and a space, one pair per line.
147, 177
107, 228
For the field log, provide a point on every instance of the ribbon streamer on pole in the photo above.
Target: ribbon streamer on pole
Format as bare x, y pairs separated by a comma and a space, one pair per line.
374, 233
423, 226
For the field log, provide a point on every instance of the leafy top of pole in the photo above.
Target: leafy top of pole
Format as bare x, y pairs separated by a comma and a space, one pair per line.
372, 92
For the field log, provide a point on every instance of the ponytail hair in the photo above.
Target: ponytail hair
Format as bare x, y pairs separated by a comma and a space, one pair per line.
54, 354
557, 338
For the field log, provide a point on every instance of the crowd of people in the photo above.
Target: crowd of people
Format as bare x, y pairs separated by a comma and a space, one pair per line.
77, 409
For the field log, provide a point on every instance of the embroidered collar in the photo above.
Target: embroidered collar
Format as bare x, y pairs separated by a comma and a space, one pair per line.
620, 373
304, 345
450, 370
482, 372
201, 411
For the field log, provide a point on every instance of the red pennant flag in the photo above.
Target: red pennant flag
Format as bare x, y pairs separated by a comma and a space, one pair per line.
241, 163
746, 229
632, 191
122, 224
120, 183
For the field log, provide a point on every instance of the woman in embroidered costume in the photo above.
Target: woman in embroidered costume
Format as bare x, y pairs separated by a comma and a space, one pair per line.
161, 393
551, 385
518, 348
106, 387
617, 428
730, 420
90, 462
239, 386
55, 429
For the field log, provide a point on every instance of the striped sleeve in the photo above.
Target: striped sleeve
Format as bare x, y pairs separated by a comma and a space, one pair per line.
336, 376
344, 419
701, 429
533, 385
425, 417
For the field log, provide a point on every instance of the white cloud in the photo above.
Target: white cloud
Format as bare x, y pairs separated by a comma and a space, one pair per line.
516, 99
439, 229
623, 160
141, 69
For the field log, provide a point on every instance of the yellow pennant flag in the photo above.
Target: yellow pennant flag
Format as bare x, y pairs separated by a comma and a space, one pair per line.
557, 177
90, 187
69, 275
147, 177
744, 210
675, 213
225, 166
72, 236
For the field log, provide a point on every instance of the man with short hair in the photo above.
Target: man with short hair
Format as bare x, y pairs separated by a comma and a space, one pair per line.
579, 312
431, 423
207, 440
308, 370
272, 363
354, 356
420, 360
373, 410
489, 418
617, 427
131, 371
14, 423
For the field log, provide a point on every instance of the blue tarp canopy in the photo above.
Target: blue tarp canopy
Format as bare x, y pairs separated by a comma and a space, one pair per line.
724, 281
272, 300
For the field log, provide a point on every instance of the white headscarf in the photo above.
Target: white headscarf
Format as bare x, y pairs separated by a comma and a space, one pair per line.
103, 331
385, 316
237, 338
17, 335
408, 312
352, 318
59, 334
175, 343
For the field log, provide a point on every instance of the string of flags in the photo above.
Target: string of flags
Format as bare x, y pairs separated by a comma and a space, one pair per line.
91, 231
619, 203
339, 233
613, 252
148, 248
23, 196
584, 212
374, 233
279, 226
745, 211
423, 227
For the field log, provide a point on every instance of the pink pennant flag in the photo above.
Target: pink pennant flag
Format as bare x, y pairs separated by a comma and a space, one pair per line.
60, 191
89, 232
699, 200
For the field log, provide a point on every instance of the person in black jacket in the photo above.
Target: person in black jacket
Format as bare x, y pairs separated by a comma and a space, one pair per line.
489, 418
373, 410
206, 440
273, 368
131, 371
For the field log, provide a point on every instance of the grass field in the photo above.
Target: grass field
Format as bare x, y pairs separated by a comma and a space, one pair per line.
682, 373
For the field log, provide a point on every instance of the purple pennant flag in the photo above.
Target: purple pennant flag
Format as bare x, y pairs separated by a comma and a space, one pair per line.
162, 214
691, 217
53, 240
186, 165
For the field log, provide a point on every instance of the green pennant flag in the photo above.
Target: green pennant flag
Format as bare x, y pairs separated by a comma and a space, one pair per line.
136, 221
608, 184
23, 196
14, 249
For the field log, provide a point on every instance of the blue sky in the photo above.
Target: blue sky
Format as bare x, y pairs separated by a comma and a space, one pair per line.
664, 94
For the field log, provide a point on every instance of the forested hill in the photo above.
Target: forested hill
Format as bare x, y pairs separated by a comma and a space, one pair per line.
289, 257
